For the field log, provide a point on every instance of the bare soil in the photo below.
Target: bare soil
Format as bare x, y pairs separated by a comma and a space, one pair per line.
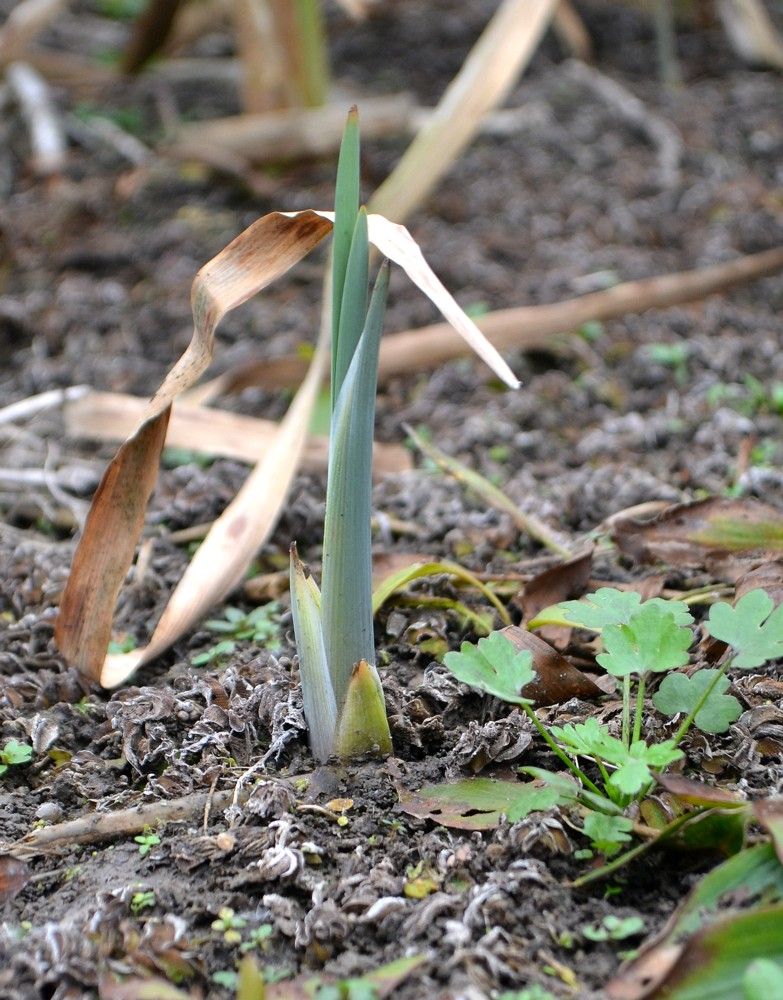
94, 289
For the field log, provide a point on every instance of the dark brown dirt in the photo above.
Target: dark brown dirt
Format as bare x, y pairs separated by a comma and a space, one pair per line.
94, 288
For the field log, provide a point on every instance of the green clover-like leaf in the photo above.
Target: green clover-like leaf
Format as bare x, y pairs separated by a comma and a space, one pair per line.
634, 773
591, 739
608, 606
652, 640
15, 752
607, 833
753, 628
679, 693
494, 666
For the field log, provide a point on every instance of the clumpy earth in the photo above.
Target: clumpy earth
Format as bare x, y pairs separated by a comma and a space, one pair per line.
94, 289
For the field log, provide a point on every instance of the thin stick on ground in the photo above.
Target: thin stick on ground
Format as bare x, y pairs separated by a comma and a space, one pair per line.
33, 405
47, 139
96, 827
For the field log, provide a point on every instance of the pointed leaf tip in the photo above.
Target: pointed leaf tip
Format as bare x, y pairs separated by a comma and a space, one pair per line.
363, 726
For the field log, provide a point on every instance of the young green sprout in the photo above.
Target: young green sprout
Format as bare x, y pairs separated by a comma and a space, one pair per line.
343, 699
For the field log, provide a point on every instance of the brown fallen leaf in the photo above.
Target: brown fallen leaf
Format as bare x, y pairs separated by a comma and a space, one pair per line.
696, 793
566, 581
14, 876
557, 680
768, 576
724, 536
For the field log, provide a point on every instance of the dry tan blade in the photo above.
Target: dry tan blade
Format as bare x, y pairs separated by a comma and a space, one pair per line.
294, 133
112, 416
522, 328
396, 243
487, 76
255, 258
84, 622
26, 20
223, 557
751, 32
263, 252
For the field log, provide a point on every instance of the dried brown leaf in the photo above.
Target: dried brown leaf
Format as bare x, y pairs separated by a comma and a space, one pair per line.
557, 680
14, 876
725, 536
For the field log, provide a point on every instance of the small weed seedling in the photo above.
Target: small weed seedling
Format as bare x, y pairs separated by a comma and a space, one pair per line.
142, 901
613, 928
260, 626
639, 639
13, 754
230, 925
146, 841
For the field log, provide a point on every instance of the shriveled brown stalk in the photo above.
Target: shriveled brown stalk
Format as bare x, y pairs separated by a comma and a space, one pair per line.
291, 134
522, 328
150, 33
112, 416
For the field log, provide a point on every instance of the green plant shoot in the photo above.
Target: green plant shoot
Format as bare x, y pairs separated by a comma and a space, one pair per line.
342, 694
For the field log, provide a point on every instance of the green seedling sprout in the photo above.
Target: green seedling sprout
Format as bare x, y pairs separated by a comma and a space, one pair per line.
13, 754
342, 694
333, 627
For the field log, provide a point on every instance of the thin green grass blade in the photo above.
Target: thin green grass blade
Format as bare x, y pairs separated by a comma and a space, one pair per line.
320, 706
346, 581
363, 726
353, 309
346, 208
403, 577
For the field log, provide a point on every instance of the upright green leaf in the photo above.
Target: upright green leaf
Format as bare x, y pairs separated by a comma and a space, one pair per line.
346, 581
353, 307
346, 208
320, 706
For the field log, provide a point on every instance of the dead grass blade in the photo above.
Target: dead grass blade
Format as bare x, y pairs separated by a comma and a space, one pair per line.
751, 32
222, 559
521, 328
485, 79
83, 628
26, 20
291, 134
472, 480
112, 416
259, 255
265, 250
